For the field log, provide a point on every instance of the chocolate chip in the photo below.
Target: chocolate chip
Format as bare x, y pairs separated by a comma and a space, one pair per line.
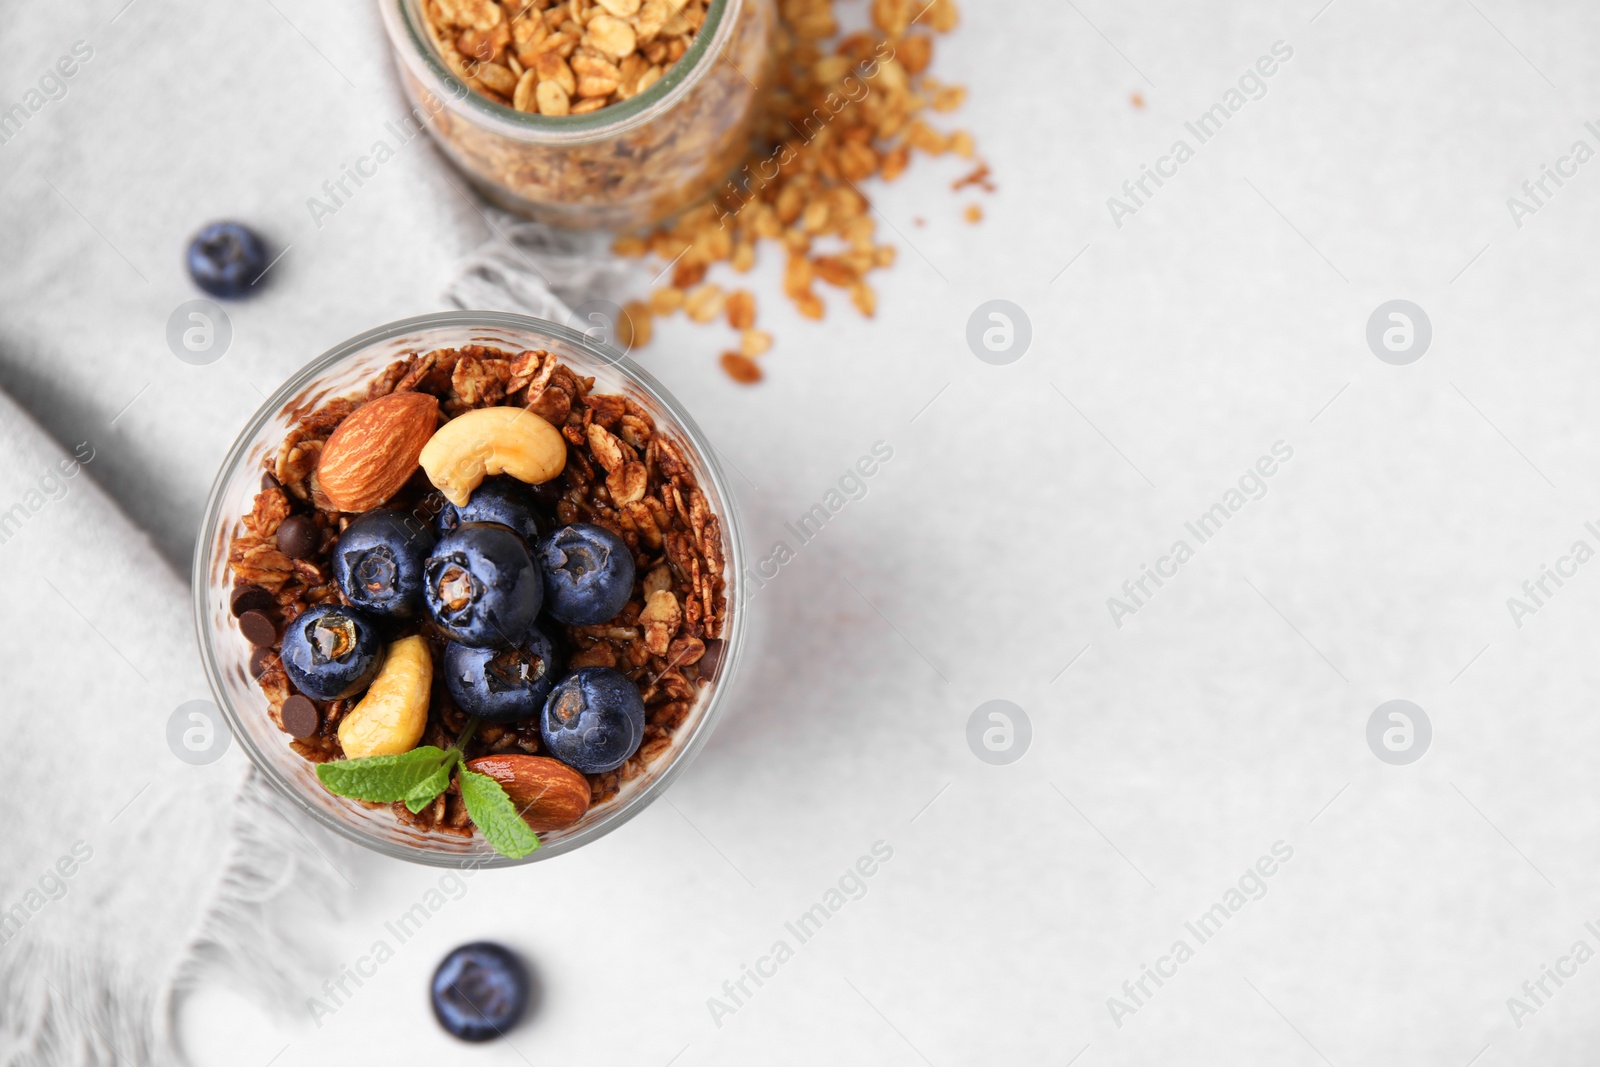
250, 598
258, 628
708, 662
270, 482
258, 661
300, 716
298, 537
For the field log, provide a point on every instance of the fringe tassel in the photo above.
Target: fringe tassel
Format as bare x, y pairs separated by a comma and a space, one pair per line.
64, 1008
246, 940
534, 270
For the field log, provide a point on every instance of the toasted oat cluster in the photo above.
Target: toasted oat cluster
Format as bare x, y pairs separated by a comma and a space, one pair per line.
847, 108
619, 472
563, 57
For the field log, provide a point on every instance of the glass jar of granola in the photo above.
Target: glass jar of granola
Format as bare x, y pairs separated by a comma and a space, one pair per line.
608, 114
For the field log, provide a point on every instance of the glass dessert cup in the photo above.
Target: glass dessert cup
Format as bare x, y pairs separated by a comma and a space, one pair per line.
225, 653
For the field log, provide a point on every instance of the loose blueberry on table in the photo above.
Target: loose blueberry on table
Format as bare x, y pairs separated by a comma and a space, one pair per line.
570, 621
226, 258
480, 991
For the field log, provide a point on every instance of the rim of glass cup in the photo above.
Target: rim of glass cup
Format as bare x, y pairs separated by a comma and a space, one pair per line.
414, 43
733, 643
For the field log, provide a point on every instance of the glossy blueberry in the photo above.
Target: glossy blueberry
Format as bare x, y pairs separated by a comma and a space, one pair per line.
593, 720
225, 257
378, 563
331, 651
480, 991
500, 499
481, 585
588, 574
501, 684
546, 495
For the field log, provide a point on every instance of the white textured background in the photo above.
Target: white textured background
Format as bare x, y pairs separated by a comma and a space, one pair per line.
1229, 715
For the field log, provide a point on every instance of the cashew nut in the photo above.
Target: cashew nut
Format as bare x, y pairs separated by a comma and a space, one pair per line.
498, 440
390, 718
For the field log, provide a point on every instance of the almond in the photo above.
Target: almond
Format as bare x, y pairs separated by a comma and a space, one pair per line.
548, 793
374, 450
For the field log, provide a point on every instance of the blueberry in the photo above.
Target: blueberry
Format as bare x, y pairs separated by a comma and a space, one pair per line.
225, 257
331, 651
546, 495
378, 563
481, 585
588, 574
593, 720
502, 685
480, 991
501, 499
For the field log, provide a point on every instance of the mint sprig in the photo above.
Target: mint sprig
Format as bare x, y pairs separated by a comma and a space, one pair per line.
496, 816
427, 790
419, 776
390, 778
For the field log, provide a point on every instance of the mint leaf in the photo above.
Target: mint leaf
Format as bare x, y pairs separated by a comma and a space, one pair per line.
389, 778
424, 792
496, 816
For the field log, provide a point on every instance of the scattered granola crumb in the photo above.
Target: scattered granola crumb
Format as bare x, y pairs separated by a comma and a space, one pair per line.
705, 302
1138, 100
978, 177
742, 310
974, 213
740, 368
634, 329
948, 97
754, 342
667, 300
848, 108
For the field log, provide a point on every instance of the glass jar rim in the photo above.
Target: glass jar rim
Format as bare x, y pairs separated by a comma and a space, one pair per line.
488, 321
414, 44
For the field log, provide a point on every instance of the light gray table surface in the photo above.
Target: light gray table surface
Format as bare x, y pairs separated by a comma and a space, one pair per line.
1227, 716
